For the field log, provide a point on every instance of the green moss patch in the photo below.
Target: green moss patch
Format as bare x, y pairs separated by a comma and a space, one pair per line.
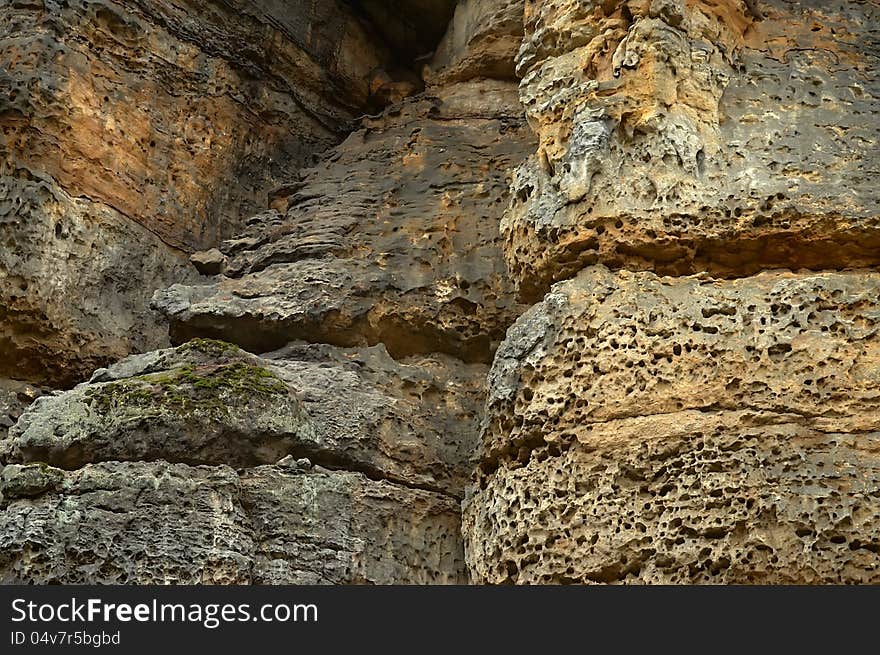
213, 347
208, 389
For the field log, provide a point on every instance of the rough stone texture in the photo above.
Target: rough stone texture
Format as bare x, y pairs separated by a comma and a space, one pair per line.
203, 403
663, 430
127, 126
376, 277
719, 427
75, 282
160, 523
482, 41
209, 262
686, 136
392, 239
339, 527
179, 115
415, 421
14, 399
208, 402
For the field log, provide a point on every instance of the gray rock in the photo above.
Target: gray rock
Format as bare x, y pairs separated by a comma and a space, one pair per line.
209, 262
161, 523
203, 403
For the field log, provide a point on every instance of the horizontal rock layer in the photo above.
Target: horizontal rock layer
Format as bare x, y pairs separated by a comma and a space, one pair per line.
161, 523
648, 429
681, 137
210, 403
127, 478
392, 239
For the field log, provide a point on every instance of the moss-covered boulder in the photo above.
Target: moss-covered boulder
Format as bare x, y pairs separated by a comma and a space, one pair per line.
205, 402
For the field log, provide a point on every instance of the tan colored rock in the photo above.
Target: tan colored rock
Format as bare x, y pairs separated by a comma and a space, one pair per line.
209, 262
662, 430
681, 137
218, 105
128, 126
481, 41
392, 239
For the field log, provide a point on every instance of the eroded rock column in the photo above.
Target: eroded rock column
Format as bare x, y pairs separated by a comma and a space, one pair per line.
679, 410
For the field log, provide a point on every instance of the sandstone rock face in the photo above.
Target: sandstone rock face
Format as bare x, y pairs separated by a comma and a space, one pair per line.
128, 126
667, 430
715, 428
682, 191
161, 523
75, 282
377, 281
482, 41
392, 239
682, 137
414, 421
219, 103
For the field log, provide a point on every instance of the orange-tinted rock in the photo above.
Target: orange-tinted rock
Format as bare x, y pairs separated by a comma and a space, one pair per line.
681, 137
130, 132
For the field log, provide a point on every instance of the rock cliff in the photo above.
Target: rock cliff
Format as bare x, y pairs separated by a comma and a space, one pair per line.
498, 291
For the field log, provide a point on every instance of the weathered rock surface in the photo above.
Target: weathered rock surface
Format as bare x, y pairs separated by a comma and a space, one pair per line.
327, 460
179, 115
482, 41
14, 399
720, 424
203, 403
393, 239
647, 429
128, 126
161, 523
208, 402
681, 137
414, 421
149, 495
76, 278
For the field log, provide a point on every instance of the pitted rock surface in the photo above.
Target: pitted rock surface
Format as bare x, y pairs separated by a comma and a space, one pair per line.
681, 137
683, 190
668, 430
130, 131
392, 239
